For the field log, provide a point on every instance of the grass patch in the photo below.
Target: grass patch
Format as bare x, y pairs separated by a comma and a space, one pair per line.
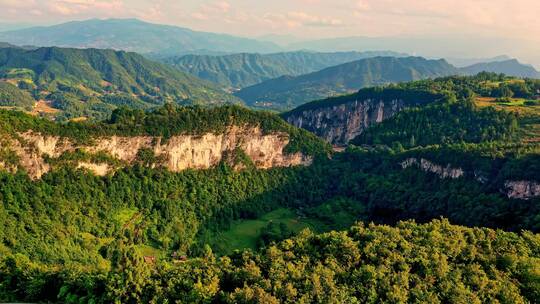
245, 234
528, 112
125, 215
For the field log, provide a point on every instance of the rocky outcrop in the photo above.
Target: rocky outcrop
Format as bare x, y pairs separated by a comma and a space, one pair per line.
522, 189
98, 169
176, 153
428, 166
340, 123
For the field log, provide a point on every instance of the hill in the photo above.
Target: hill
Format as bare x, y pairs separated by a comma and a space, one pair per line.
237, 71
12, 96
92, 82
340, 119
287, 92
509, 67
7, 45
195, 204
132, 35
465, 62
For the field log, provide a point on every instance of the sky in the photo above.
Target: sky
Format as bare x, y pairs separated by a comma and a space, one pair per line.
304, 19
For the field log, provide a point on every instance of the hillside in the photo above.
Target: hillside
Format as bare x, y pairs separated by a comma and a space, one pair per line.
237, 71
12, 96
287, 92
132, 35
161, 206
92, 82
509, 67
169, 137
340, 119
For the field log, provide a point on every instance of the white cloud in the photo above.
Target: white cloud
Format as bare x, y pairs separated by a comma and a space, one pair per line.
76, 7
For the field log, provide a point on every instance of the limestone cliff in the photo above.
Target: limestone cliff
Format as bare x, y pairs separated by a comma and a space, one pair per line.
428, 166
340, 123
522, 189
36, 152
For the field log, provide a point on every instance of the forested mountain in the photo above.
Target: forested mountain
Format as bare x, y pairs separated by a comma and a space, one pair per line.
146, 234
340, 119
509, 67
229, 205
92, 82
287, 92
465, 62
242, 70
12, 96
7, 45
132, 35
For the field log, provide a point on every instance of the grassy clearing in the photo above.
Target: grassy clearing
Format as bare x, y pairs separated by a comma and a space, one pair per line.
245, 233
527, 110
125, 215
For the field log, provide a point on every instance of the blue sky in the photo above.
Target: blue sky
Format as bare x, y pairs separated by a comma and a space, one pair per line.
307, 19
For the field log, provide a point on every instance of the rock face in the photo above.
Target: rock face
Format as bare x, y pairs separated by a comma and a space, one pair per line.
176, 153
522, 189
428, 166
340, 123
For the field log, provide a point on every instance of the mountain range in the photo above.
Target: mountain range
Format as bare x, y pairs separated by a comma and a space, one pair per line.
242, 70
510, 67
133, 35
165, 40
288, 92
92, 82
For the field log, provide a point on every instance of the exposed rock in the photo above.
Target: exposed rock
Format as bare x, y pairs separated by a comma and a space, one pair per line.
522, 189
176, 153
340, 123
428, 166
97, 169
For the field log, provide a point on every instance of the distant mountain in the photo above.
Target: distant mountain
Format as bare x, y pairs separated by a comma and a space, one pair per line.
436, 46
92, 82
509, 67
133, 35
242, 70
7, 45
4, 45
287, 92
465, 62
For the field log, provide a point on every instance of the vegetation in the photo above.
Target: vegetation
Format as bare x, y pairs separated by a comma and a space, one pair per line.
288, 92
93, 82
435, 263
509, 67
442, 124
168, 121
11, 96
223, 235
238, 71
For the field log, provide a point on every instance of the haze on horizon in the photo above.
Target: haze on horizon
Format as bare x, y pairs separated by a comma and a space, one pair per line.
508, 27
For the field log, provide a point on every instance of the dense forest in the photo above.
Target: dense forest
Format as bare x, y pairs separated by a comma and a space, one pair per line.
288, 92
442, 123
91, 82
165, 122
238, 71
144, 234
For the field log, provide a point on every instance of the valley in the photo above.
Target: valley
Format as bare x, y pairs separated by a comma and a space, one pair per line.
147, 163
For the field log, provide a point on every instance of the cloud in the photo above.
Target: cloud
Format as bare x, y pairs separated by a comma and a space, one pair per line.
211, 10
303, 18
17, 4
298, 19
76, 7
